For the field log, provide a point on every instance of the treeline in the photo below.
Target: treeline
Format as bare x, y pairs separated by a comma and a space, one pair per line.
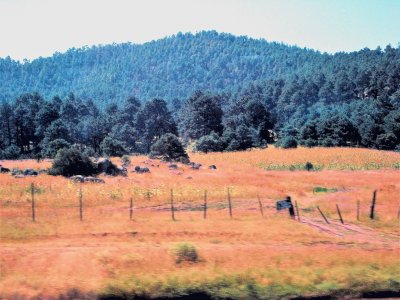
32, 127
259, 93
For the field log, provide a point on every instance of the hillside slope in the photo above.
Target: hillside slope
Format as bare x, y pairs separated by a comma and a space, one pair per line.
176, 66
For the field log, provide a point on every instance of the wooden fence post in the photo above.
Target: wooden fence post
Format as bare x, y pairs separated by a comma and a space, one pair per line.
205, 205
33, 201
358, 210
322, 214
297, 211
261, 207
372, 215
291, 208
340, 215
131, 208
80, 203
229, 203
172, 205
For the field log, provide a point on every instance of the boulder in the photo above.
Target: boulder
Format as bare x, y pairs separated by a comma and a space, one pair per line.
30, 172
4, 170
16, 171
212, 167
77, 178
141, 170
93, 179
195, 166
19, 176
173, 166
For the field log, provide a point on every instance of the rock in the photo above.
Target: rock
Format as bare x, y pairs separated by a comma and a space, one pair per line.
195, 166
212, 167
90, 179
93, 179
77, 178
4, 170
173, 166
19, 176
141, 170
189, 177
16, 171
30, 172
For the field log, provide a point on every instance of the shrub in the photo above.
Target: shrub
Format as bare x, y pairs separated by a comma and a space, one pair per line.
386, 141
69, 162
308, 166
233, 145
107, 166
112, 147
186, 252
309, 143
89, 151
328, 142
54, 146
210, 143
287, 143
11, 152
169, 148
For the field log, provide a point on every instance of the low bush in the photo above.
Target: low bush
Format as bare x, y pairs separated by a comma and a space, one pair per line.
287, 143
69, 162
169, 148
186, 252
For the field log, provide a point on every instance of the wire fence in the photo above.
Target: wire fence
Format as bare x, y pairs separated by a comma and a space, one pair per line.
81, 203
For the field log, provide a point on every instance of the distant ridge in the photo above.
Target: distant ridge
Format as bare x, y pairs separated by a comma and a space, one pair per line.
176, 66
172, 67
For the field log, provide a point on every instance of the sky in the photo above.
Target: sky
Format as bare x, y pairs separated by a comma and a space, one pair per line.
33, 28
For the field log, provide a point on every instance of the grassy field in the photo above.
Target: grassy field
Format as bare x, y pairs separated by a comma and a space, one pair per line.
249, 256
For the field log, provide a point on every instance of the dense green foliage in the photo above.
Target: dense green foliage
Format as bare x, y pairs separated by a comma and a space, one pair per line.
173, 67
252, 93
169, 148
69, 162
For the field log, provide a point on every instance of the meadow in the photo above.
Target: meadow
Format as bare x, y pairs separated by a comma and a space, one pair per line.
248, 256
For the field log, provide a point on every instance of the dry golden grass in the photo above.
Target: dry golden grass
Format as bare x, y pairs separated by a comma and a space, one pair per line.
246, 257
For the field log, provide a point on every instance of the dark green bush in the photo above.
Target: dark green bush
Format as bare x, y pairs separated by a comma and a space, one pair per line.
112, 147
308, 166
53, 147
169, 148
210, 143
11, 152
69, 162
287, 143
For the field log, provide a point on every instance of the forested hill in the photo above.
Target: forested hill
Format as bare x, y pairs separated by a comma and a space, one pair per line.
173, 67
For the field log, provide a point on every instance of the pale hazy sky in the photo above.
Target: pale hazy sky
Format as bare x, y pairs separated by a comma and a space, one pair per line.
32, 28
